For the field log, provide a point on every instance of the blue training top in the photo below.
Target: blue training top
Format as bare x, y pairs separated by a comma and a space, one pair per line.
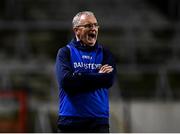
89, 96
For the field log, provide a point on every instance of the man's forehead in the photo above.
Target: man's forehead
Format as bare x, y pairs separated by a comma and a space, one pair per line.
85, 18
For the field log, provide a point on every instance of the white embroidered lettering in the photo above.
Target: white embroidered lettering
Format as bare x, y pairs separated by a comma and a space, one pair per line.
87, 65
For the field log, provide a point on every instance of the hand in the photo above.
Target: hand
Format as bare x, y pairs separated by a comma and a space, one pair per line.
106, 69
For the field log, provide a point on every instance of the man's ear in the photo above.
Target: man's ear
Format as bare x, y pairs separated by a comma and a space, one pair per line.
75, 29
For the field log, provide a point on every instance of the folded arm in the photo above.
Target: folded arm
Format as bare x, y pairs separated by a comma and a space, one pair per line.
75, 82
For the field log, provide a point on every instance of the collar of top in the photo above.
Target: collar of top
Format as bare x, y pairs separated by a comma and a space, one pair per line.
81, 46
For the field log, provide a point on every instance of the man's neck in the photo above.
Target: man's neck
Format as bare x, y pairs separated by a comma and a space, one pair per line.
77, 39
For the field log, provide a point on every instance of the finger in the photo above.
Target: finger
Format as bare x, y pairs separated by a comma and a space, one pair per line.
102, 69
106, 69
110, 70
104, 66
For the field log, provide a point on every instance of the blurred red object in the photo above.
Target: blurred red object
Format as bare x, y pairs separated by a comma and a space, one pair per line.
16, 120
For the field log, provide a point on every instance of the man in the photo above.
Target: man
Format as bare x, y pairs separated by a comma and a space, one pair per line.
85, 71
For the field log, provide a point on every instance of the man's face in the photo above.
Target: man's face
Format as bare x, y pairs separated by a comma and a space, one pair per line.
87, 30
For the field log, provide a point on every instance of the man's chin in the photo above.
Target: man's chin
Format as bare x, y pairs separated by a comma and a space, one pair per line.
91, 43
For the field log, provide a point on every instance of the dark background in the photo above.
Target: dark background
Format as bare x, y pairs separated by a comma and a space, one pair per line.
143, 36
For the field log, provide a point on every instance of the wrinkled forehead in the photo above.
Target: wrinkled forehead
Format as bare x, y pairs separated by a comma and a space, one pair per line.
84, 19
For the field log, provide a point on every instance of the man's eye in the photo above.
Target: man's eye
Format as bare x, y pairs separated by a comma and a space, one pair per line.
88, 25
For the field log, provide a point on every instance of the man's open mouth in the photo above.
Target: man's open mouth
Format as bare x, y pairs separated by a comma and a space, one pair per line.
92, 35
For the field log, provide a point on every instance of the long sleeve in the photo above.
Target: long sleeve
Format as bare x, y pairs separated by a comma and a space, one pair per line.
80, 81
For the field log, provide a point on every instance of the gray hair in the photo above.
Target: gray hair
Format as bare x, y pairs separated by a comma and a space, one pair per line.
77, 17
